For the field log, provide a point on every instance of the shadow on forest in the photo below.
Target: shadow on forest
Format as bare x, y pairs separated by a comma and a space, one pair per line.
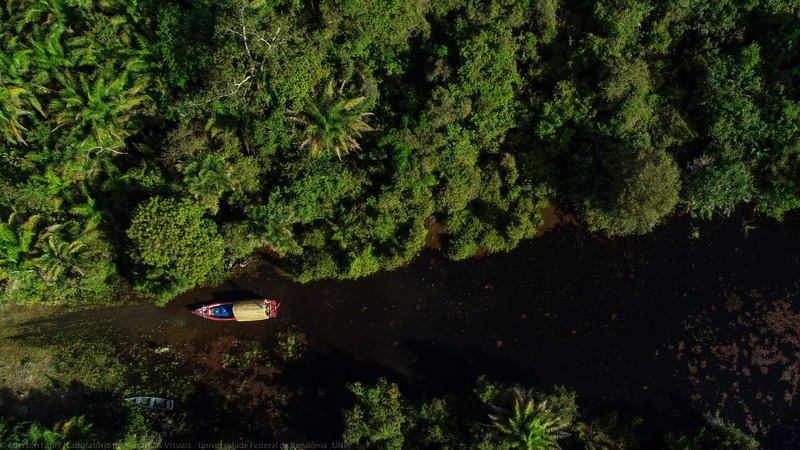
433, 371
55, 329
322, 390
443, 371
64, 400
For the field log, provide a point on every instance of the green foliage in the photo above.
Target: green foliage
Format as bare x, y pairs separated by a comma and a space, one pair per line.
484, 113
12, 109
546, 18
717, 187
751, 127
98, 113
734, 124
435, 426
619, 22
717, 434
58, 263
292, 344
518, 418
640, 189
723, 20
16, 239
530, 424
174, 246
332, 125
138, 434
213, 169
564, 106
375, 33
378, 417
64, 435
504, 213
183, 55
607, 432
95, 363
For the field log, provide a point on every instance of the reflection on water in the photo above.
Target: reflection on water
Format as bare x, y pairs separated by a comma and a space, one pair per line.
745, 357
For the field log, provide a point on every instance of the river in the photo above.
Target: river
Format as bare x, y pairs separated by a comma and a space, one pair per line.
644, 325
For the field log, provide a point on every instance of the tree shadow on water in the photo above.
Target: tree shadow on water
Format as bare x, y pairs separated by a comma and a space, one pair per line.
321, 382
235, 295
433, 370
441, 369
785, 435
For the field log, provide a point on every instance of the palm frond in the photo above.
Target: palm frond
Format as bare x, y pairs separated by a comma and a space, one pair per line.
26, 233
352, 103
331, 125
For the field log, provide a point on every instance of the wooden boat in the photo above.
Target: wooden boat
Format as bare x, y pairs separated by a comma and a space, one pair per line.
240, 310
158, 403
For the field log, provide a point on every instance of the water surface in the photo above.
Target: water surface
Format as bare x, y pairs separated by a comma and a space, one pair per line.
633, 324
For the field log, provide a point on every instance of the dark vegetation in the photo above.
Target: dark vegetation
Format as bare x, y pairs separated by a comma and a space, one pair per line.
504, 418
71, 391
490, 417
161, 144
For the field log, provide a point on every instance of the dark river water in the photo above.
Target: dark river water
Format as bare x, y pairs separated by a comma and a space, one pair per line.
642, 325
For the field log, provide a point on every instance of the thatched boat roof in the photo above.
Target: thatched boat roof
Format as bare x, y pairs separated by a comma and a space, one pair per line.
249, 310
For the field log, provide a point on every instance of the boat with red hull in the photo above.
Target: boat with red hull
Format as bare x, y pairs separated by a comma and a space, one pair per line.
240, 310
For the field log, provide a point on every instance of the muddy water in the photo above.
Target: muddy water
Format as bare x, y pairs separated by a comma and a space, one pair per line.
616, 320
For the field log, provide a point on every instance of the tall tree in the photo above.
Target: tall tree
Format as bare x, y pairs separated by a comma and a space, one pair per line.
16, 239
174, 247
11, 110
622, 189
530, 424
378, 417
59, 254
97, 112
332, 124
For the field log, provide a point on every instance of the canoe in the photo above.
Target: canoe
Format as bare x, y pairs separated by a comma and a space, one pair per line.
158, 403
240, 310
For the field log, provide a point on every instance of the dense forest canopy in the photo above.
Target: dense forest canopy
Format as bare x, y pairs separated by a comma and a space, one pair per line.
162, 143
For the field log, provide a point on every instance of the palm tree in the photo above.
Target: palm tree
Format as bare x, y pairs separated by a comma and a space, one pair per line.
530, 425
98, 111
73, 431
17, 87
90, 212
16, 239
208, 179
59, 187
48, 53
59, 254
272, 224
332, 124
16, 244
34, 13
11, 110
41, 435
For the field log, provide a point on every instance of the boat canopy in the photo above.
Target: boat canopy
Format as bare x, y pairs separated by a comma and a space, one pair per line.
221, 311
248, 310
